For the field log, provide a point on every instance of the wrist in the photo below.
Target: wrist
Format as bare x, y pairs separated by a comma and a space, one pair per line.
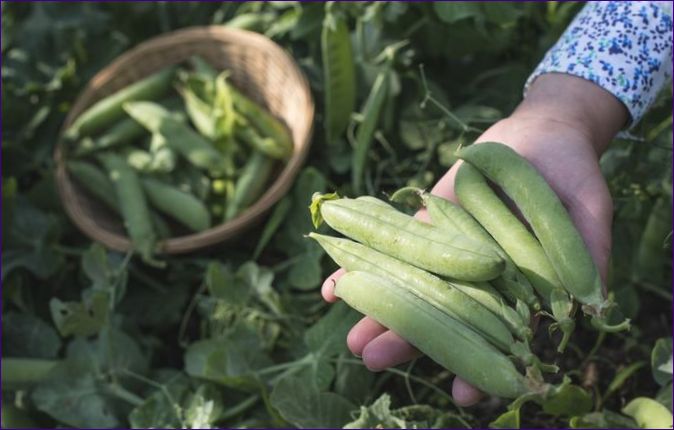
575, 102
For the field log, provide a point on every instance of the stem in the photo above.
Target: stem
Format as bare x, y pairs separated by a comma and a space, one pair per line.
411, 377
429, 98
239, 408
124, 394
19, 372
655, 290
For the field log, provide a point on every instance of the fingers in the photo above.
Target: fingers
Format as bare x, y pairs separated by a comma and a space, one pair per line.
445, 186
328, 288
388, 350
362, 333
465, 394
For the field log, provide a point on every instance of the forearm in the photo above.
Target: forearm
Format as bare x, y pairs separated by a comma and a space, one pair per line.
577, 102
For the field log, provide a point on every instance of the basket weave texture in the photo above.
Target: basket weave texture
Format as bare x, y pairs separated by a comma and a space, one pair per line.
258, 67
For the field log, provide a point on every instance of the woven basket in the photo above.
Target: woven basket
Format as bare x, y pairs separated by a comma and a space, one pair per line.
259, 68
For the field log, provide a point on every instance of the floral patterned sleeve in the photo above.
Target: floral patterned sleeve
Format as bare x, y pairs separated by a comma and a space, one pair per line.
623, 46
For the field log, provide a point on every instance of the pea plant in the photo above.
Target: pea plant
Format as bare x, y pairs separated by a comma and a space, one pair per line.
239, 335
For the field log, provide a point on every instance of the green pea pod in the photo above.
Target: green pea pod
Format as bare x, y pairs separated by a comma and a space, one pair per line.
265, 145
132, 204
265, 123
339, 75
250, 184
95, 182
477, 197
110, 109
99, 185
445, 340
181, 206
406, 238
443, 295
550, 222
371, 112
122, 132
512, 282
179, 136
648, 257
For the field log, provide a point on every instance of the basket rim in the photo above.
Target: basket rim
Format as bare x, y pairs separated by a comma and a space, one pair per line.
224, 231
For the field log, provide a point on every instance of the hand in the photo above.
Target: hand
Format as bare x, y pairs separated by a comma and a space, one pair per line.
562, 127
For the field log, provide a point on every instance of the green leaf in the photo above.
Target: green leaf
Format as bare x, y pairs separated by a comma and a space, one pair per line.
259, 280
74, 396
380, 415
509, 419
230, 361
377, 415
570, 400
661, 361
81, 318
648, 413
319, 370
107, 271
225, 285
30, 242
353, 381
162, 409
203, 407
664, 396
80, 391
450, 12
299, 402
25, 335
604, 419
328, 336
305, 273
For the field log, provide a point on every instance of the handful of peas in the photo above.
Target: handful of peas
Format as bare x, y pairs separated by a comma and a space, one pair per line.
463, 288
179, 151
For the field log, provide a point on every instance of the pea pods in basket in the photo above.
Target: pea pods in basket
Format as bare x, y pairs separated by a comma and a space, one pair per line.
163, 143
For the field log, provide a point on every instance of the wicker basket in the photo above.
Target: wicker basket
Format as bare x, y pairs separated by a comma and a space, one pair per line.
259, 68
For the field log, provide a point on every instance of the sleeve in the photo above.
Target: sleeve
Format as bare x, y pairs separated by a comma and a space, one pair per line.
623, 46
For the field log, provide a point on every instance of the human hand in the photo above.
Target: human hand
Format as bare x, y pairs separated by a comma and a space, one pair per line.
561, 128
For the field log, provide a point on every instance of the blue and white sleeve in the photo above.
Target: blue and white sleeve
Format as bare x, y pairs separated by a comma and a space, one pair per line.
623, 46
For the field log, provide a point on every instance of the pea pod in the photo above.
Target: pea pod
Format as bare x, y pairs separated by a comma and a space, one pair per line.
183, 207
99, 185
132, 204
512, 282
446, 296
250, 184
371, 112
95, 181
265, 123
408, 239
179, 136
521, 246
338, 74
648, 257
445, 340
124, 131
550, 222
110, 109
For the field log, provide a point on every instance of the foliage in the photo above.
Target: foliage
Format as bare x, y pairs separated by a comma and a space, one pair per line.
239, 336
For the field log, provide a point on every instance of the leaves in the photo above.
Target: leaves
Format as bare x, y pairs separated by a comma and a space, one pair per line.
648, 413
661, 361
25, 335
299, 401
570, 400
231, 361
31, 240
